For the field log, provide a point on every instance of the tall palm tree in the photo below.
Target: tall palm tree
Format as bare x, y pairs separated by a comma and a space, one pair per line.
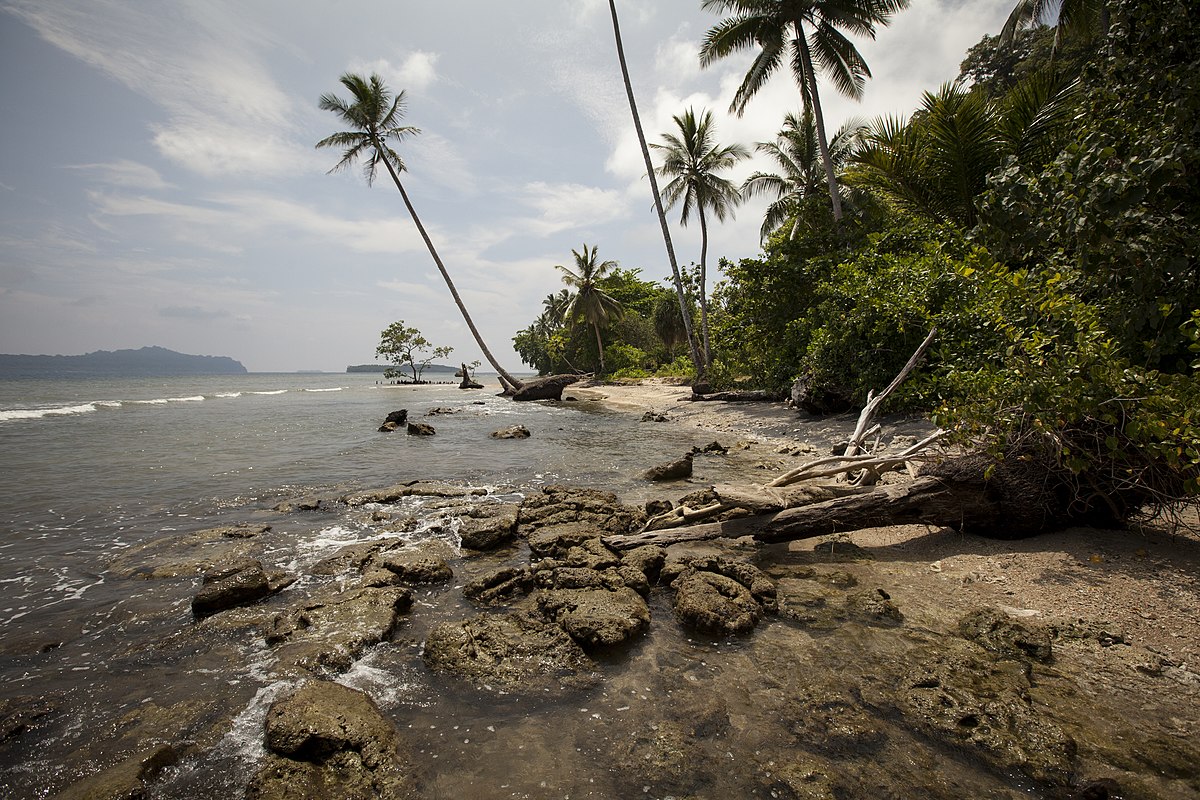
808, 33
374, 115
590, 303
801, 175
692, 160
676, 276
1075, 18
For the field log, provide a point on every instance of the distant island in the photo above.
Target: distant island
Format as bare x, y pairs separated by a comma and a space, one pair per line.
432, 368
144, 363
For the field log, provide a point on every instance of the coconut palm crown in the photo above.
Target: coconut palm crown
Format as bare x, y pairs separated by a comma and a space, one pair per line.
590, 303
373, 115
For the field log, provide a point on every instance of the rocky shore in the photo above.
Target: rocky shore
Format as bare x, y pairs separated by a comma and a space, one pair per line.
486, 643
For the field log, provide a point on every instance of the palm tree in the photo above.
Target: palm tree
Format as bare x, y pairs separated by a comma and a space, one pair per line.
676, 276
374, 116
692, 160
590, 303
806, 33
1078, 18
796, 153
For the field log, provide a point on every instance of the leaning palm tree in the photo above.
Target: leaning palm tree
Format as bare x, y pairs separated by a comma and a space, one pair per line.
808, 34
1081, 19
374, 116
692, 160
801, 172
676, 275
590, 303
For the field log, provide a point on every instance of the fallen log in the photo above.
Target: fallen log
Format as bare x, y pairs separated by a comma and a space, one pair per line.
732, 397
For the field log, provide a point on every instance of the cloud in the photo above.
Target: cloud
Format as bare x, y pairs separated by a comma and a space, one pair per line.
125, 174
194, 313
566, 206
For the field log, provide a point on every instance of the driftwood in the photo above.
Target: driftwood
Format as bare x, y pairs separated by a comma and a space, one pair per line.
731, 397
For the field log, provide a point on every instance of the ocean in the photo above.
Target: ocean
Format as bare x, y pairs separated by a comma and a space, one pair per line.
93, 468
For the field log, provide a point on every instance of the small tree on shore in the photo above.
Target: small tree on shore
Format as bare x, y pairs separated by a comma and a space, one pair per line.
404, 346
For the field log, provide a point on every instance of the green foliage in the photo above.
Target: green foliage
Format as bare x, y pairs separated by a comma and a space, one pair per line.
405, 346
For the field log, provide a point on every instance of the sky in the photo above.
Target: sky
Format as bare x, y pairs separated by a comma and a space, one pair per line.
159, 183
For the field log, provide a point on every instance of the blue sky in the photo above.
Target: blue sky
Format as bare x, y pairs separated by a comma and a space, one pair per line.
159, 185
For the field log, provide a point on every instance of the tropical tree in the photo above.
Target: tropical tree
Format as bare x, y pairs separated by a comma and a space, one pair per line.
801, 175
402, 345
692, 160
1080, 19
676, 276
808, 34
374, 115
590, 302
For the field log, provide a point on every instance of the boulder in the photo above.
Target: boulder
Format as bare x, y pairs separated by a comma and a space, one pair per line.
515, 651
589, 511
394, 420
597, 617
715, 603
420, 429
813, 398
239, 584
654, 416
495, 525
499, 587
189, 554
672, 470
549, 387
414, 567
513, 432
328, 740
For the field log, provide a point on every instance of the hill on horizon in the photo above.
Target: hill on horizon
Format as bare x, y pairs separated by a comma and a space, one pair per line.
144, 362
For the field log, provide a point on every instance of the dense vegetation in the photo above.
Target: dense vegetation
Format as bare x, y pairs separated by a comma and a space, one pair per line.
1042, 212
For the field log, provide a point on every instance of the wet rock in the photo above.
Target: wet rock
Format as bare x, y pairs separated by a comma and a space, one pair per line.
189, 554
655, 507
19, 714
873, 607
654, 416
501, 586
394, 420
761, 587
597, 617
420, 429
488, 526
350, 557
715, 448
391, 494
328, 740
512, 432
832, 724
127, 779
715, 603
1007, 637
239, 584
516, 651
306, 503
647, 559
440, 411
414, 567
558, 506
841, 550
809, 606
325, 634
675, 470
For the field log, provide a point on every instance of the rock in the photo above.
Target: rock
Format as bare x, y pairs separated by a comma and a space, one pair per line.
873, 607
672, 470
570, 508
414, 567
714, 603
441, 412
495, 525
420, 429
350, 557
655, 507
711, 447
411, 489
238, 584
328, 740
513, 432
647, 559
515, 651
189, 554
325, 634
597, 617
546, 388
807, 395
394, 420
759, 584
126, 779
654, 416
1001, 634
500, 586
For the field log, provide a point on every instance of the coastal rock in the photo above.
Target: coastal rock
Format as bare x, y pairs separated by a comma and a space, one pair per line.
512, 432
654, 416
589, 512
238, 584
873, 607
714, 603
499, 587
546, 388
391, 494
647, 559
811, 397
514, 651
325, 634
487, 526
188, 554
414, 567
672, 470
128, 778
328, 740
394, 420
441, 411
420, 429
597, 617
1005, 636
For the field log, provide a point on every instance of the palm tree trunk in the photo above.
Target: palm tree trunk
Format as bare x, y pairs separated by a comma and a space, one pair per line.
510, 383
819, 119
658, 206
599, 346
703, 288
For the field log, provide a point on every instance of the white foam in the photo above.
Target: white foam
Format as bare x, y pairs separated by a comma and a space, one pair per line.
39, 413
277, 391
162, 401
334, 389
229, 394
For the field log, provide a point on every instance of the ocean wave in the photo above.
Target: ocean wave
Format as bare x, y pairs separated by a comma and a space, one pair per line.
160, 401
229, 394
53, 411
332, 389
276, 391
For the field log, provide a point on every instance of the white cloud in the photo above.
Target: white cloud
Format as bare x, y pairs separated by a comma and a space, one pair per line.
125, 174
566, 206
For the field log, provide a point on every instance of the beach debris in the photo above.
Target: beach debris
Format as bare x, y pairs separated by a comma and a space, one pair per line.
548, 388
467, 381
512, 432
420, 429
394, 420
675, 470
